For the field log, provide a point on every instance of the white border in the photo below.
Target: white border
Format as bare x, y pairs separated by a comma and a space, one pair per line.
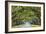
23, 4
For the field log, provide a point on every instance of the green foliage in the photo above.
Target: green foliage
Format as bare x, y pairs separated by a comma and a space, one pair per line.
25, 13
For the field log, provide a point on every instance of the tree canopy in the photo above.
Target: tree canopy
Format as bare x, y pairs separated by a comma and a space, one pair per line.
25, 13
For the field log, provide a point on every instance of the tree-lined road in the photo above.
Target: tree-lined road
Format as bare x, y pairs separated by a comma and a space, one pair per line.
26, 25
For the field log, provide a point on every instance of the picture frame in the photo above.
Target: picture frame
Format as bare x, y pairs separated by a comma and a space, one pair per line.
16, 6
